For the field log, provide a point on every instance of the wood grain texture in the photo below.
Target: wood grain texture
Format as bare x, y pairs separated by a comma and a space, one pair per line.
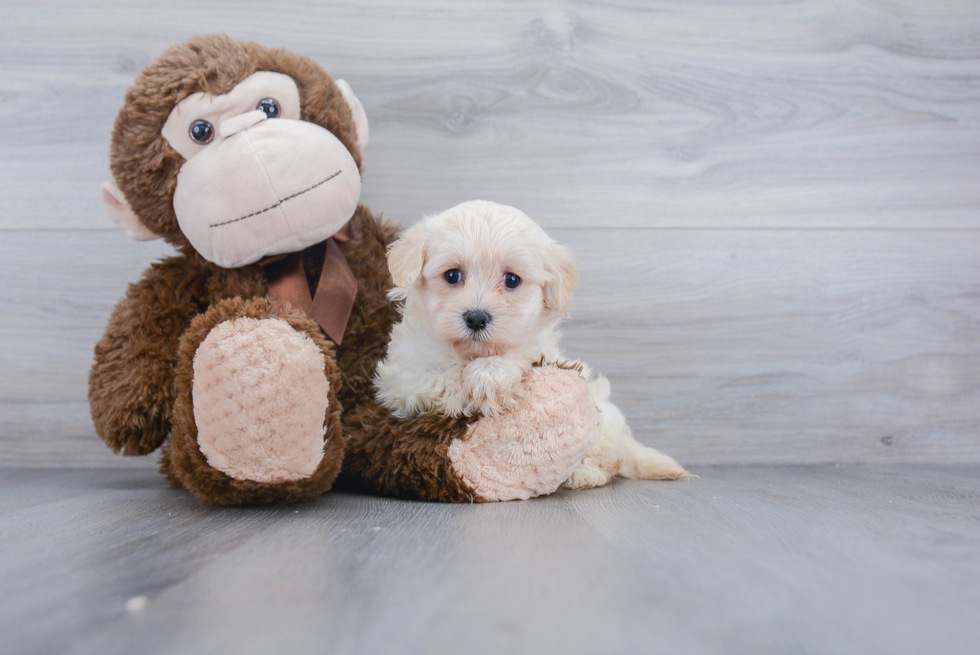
722, 346
775, 204
668, 113
869, 559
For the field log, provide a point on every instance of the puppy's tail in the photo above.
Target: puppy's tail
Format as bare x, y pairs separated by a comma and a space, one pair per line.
650, 464
638, 461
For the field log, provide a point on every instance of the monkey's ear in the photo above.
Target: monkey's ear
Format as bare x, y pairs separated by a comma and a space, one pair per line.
357, 111
562, 278
124, 217
406, 257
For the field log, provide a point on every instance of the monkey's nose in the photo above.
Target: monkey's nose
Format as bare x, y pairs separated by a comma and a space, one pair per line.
477, 320
241, 122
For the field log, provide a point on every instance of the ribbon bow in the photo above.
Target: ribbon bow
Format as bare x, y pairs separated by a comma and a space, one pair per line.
331, 305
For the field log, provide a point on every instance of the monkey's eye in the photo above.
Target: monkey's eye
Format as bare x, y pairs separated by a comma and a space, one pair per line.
269, 106
453, 276
511, 281
201, 132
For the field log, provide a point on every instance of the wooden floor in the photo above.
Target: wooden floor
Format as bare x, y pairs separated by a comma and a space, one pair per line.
831, 560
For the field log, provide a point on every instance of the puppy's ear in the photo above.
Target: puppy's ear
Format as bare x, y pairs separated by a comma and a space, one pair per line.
406, 257
562, 277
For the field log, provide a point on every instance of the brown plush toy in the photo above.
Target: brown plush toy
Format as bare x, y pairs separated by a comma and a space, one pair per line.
249, 356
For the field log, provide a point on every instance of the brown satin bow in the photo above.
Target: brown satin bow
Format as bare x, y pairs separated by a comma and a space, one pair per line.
331, 305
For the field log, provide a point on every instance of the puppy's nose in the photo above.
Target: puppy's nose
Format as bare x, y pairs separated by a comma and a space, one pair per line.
476, 319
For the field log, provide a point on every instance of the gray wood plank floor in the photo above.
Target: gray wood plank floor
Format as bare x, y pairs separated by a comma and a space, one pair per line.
775, 205
862, 559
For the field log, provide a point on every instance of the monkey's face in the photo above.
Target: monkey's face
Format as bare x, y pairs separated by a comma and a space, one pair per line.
257, 180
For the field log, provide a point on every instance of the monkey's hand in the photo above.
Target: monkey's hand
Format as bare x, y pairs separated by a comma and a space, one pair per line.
131, 384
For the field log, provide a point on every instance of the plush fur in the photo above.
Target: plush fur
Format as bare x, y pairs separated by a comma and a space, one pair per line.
530, 451
187, 466
437, 364
141, 387
260, 395
189, 343
145, 167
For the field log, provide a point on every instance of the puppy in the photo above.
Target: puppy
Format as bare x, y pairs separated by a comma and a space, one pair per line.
483, 290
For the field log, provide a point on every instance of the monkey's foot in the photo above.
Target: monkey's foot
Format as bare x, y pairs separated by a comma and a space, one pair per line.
534, 447
256, 418
260, 397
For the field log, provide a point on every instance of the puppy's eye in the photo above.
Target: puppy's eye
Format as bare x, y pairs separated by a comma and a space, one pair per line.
201, 132
511, 281
453, 276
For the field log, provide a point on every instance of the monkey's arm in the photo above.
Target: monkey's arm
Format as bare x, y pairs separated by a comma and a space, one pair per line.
131, 384
520, 453
403, 458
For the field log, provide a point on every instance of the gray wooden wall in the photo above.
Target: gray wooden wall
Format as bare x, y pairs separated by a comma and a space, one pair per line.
776, 205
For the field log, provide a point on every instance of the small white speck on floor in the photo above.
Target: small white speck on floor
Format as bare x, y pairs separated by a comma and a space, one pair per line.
136, 603
375, 528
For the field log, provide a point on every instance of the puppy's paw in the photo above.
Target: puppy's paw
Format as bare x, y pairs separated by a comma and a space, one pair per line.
453, 398
492, 385
587, 476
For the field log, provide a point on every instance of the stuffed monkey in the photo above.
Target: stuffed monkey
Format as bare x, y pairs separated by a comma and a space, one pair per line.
249, 355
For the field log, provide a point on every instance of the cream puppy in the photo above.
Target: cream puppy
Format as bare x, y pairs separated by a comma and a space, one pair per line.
483, 290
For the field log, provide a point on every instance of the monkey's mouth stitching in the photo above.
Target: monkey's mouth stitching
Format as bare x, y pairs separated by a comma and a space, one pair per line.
271, 207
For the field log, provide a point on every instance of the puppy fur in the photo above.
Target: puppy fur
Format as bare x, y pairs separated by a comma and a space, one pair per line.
439, 362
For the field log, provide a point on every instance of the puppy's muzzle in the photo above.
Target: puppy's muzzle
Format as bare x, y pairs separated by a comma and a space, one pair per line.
476, 320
